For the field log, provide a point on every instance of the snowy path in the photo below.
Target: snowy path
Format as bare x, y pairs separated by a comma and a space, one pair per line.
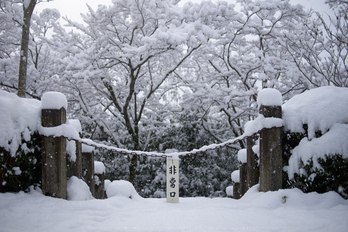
254, 212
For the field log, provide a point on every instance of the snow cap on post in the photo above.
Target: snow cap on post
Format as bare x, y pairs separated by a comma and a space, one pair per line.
269, 97
53, 100
235, 176
99, 167
76, 124
242, 156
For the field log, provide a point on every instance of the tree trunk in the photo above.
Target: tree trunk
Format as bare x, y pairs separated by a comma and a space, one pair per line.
22, 75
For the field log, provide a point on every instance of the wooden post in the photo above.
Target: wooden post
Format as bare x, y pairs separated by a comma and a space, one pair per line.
88, 169
236, 184
271, 164
53, 150
74, 168
242, 157
252, 164
99, 170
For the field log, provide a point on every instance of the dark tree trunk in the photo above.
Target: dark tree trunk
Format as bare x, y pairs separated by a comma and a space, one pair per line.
22, 75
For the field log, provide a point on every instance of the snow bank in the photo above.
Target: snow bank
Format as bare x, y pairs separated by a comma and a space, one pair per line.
121, 188
283, 210
78, 190
269, 97
319, 108
53, 100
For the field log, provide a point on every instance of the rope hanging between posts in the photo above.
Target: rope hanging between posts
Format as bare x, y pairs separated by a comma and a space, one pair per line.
153, 154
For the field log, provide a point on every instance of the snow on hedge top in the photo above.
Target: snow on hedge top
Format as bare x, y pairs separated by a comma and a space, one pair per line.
19, 117
269, 97
319, 108
53, 100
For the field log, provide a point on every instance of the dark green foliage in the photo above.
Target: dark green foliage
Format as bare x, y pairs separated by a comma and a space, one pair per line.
332, 176
207, 174
204, 174
22, 170
289, 141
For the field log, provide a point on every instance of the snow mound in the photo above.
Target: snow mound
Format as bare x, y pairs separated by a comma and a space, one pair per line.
121, 188
293, 198
106, 184
78, 190
229, 191
319, 108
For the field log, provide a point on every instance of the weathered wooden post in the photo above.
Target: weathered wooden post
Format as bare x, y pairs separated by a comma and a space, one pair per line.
242, 157
99, 170
271, 167
53, 114
236, 184
252, 164
74, 162
88, 167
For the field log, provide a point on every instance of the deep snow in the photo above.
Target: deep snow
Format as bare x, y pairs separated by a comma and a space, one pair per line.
284, 210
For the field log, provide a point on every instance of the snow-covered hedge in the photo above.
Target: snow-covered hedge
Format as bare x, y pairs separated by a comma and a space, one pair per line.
315, 140
20, 140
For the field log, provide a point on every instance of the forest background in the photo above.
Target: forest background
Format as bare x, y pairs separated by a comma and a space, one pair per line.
152, 75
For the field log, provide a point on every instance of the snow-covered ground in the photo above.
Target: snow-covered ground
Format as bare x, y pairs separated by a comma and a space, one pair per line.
284, 210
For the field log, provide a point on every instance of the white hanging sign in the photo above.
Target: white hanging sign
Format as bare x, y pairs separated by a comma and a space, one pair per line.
173, 180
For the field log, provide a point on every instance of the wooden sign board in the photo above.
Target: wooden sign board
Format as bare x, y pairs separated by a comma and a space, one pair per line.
172, 180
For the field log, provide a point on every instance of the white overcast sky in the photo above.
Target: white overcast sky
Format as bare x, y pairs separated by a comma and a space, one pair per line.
73, 8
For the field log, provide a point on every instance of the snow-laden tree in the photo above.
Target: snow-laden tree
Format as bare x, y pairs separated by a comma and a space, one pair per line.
320, 47
35, 70
247, 56
10, 22
118, 65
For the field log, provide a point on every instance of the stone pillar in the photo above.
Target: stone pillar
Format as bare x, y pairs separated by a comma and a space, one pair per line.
252, 164
53, 150
271, 164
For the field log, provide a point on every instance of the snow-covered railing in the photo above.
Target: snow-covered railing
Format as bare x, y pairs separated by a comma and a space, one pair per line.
268, 125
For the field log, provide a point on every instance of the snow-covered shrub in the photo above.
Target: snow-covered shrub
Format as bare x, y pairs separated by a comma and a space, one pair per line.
315, 144
23, 169
332, 175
